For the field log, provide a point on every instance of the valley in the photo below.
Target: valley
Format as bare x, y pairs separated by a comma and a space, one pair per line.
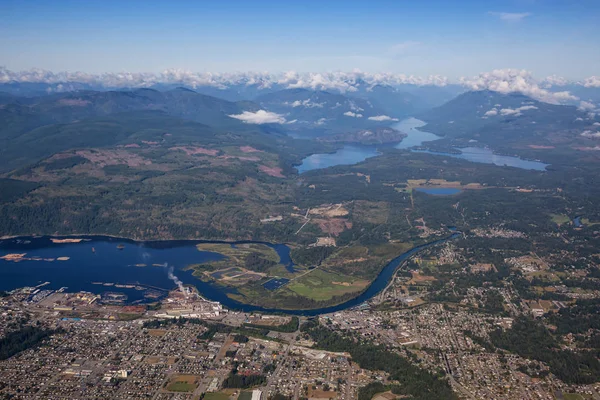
321, 219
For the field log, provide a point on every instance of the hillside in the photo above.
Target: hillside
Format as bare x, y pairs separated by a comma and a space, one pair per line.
31, 128
513, 123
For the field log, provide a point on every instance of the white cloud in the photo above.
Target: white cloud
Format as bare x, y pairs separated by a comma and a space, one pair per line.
586, 106
592, 81
510, 17
351, 114
514, 80
517, 111
339, 81
354, 107
554, 80
332, 81
491, 113
260, 117
591, 134
382, 118
305, 103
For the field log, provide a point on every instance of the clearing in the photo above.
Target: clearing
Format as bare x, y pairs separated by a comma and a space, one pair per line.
321, 285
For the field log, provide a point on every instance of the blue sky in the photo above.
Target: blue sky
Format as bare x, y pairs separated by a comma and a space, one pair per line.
451, 38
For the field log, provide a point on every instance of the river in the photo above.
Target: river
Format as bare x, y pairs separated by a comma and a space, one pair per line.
99, 263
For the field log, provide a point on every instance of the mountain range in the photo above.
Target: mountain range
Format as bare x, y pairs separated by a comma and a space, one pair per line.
37, 125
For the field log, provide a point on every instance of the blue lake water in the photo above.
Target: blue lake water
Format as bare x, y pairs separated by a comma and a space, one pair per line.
353, 154
99, 260
415, 136
439, 191
347, 155
487, 156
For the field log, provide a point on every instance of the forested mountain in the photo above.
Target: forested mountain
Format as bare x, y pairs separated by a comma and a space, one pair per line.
513, 120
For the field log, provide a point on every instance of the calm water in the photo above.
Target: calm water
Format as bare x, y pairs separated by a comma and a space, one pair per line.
353, 154
487, 156
99, 260
441, 191
415, 136
347, 155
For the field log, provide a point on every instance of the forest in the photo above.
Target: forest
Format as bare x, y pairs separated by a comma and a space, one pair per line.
531, 339
411, 380
25, 338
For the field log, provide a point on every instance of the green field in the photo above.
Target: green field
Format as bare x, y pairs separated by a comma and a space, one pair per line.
181, 387
245, 395
218, 396
573, 396
560, 219
322, 285
240, 251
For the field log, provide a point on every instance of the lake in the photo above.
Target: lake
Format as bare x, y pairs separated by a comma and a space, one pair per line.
487, 156
415, 136
97, 265
347, 155
353, 154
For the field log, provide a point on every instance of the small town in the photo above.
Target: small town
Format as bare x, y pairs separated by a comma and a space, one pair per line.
191, 348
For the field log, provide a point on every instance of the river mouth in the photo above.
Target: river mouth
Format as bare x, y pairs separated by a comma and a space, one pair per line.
105, 264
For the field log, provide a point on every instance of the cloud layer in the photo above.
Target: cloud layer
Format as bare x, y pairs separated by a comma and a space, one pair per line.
259, 117
501, 80
352, 114
515, 81
382, 118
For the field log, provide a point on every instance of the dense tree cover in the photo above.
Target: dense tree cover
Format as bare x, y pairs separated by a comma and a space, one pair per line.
234, 380
311, 255
412, 381
240, 338
494, 302
479, 340
13, 189
160, 323
531, 339
62, 163
241, 332
279, 396
584, 315
593, 342
257, 263
23, 339
269, 368
367, 392
291, 326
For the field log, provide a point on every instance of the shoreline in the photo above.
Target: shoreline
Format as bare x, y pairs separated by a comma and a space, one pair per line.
85, 236
369, 292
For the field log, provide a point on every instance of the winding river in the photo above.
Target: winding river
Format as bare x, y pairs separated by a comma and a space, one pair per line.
101, 264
